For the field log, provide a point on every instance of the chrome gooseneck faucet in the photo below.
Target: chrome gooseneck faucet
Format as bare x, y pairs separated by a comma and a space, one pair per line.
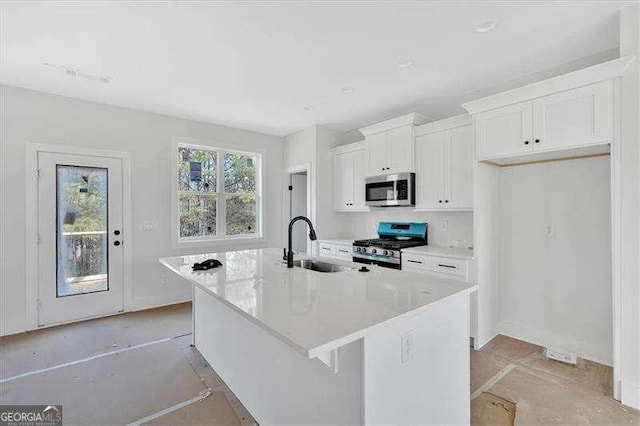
312, 237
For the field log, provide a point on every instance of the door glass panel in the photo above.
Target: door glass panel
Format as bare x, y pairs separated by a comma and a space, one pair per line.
82, 225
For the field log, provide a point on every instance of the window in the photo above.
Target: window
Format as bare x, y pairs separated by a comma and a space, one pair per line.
218, 193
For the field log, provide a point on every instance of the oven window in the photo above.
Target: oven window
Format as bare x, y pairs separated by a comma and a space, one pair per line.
380, 191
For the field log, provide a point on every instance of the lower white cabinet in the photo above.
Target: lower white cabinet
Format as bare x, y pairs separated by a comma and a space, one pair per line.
445, 267
457, 269
334, 250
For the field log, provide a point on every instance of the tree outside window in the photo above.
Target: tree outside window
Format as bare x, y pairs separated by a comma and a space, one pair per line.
217, 191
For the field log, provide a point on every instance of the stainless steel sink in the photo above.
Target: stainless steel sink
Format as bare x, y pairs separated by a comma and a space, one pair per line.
319, 266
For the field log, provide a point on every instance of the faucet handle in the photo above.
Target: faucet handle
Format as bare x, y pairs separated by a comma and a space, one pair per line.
284, 253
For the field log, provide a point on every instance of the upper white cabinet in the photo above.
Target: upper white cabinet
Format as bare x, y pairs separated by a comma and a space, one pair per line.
578, 121
348, 177
390, 145
444, 165
582, 116
504, 131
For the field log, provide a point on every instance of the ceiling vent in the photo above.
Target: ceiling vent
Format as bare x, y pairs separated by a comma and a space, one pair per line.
85, 75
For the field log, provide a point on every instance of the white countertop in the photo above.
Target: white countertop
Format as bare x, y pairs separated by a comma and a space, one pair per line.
450, 252
314, 312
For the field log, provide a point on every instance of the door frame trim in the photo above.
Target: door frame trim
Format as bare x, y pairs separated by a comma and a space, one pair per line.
311, 211
31, 215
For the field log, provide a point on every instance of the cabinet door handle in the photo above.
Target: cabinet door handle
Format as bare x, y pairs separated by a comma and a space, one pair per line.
447, 266
326, 248
414, 261
440, 201
526, 142
446, 201
537, 140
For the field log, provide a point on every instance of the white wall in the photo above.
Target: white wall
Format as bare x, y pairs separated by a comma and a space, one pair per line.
312, 145
29, 116
628, 375
555, 256
459, 225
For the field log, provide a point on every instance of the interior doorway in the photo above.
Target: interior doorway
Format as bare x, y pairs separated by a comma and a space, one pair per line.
298, 203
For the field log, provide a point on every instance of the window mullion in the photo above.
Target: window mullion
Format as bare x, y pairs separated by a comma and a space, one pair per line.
221, 219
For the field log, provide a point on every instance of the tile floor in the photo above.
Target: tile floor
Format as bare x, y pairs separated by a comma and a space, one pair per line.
151, 367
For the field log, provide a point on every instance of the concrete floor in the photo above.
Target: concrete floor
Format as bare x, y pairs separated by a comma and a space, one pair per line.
135, 367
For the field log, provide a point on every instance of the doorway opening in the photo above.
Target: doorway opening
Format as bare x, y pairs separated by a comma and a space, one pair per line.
298, 203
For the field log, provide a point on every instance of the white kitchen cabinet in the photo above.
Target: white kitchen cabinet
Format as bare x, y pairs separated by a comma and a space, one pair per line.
446, 267
459, 269
430, 170
576, 118
335, 250
390, 151
459, 168
582, 116
377, 153
348, 178
400, 149
504, 131
390, 145
444, 166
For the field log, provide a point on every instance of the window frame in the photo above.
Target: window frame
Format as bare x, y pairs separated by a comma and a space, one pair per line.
198, 241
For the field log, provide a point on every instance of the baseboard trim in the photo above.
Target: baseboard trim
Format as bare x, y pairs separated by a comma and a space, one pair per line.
630, 394
17, 328
545, 339
136, 304
150, 302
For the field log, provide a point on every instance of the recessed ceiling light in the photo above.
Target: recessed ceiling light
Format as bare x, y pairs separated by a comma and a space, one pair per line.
307, 107
486, 25
347, 90
405, 63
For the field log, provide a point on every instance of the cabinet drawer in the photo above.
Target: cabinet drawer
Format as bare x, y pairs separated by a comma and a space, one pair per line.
343, 251
444, 265
325, 249
415, 261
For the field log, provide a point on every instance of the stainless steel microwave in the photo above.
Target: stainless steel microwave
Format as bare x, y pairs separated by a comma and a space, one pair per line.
394, 190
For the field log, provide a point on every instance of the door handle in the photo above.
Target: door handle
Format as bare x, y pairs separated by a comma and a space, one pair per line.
116, 243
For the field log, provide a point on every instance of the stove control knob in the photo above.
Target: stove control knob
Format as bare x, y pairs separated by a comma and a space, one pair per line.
386, 253
374, 251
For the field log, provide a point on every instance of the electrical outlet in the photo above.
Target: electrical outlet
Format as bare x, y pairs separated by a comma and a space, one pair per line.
445, 224
150, 226
164, 280
406, 346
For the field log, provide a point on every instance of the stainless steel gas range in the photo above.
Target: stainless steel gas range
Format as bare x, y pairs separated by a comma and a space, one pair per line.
387, 249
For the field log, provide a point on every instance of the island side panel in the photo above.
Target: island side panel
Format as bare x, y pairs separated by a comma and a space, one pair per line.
274, 382
432, 386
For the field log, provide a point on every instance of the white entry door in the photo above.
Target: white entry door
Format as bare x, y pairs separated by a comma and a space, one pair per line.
80, 254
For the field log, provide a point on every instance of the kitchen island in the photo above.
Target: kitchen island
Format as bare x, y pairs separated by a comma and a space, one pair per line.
298, 346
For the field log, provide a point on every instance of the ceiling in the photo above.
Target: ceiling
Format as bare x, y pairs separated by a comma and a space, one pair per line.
278, 67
